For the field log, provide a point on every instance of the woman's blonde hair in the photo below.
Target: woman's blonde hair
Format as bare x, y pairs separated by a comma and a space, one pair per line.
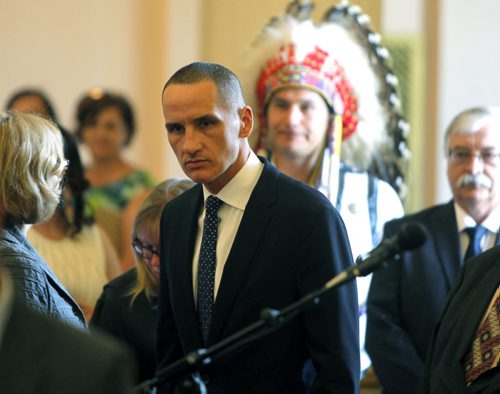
148, 220
31, 152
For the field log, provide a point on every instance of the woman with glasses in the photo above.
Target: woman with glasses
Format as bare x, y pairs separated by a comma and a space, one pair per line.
77, 250
127, 306
32, 166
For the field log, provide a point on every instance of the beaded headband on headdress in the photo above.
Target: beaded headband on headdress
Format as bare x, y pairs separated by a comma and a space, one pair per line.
355, 74
317, 71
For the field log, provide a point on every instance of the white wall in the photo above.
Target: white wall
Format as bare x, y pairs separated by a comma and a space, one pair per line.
403, 21
67, 47
132, 46
402, 16
470, 64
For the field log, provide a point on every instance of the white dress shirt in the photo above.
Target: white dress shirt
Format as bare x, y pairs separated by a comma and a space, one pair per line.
492, 224
235, 196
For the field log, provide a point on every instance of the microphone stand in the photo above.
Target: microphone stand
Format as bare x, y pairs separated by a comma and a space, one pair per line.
270, 320
411, 236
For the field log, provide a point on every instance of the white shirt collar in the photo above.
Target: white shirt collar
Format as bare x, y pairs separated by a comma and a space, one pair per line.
464, 220
238, 190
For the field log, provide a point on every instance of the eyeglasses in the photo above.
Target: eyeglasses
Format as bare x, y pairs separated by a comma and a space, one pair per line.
63, 177
144, 250
461, 156
63, 166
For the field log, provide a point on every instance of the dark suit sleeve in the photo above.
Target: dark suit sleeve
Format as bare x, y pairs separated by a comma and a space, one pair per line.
107, 314
332, 326
426, 382
58, 358
394, 357
116, 372
168, 348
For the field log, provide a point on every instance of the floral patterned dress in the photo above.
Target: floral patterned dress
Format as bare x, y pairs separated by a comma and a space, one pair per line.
107, 202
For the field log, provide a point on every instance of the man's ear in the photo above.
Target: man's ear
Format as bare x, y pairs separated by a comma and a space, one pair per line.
246, 121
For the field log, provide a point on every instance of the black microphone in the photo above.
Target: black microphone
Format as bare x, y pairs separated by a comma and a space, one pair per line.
410, 236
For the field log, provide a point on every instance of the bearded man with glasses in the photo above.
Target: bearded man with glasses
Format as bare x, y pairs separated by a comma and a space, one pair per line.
406, 299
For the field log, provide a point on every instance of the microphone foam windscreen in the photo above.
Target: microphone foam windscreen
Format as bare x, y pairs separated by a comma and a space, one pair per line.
411, 235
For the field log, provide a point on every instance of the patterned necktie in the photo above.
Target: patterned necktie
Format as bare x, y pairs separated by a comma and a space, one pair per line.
485, 352
475, 235
206, 265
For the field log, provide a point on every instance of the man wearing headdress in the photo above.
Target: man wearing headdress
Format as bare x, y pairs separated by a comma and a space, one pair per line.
307, 104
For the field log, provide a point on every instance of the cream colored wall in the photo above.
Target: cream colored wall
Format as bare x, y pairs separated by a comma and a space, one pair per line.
403, 21
132, 46
468, 68
66, 47
229, 26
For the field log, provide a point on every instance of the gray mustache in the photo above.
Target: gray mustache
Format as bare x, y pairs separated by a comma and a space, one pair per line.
480, 180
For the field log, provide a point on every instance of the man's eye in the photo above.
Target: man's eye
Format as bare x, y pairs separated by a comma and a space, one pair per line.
462, 154
281, 105
489, 155
176, 129
206, 123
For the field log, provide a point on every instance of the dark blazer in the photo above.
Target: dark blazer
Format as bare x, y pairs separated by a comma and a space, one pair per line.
406, 300
466, 305
35, 281
290, 241
133, 324
39, 354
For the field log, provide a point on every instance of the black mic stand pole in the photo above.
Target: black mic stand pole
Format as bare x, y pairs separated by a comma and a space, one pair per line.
269, 321
412, 235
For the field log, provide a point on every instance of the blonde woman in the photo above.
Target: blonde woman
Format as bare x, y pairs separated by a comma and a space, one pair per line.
32, 166
127, 306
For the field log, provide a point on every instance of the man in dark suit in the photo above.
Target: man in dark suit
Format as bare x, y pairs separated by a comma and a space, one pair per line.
277, 240
470, 298
407, 298
40, 354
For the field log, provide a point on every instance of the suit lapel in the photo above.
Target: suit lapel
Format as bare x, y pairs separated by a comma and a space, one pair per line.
443, 226
471, 305
182, 268
252, 227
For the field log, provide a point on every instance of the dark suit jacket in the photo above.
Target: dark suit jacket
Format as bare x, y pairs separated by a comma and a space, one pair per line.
39, 354
407, 298
467, 302
290, 241
134, 324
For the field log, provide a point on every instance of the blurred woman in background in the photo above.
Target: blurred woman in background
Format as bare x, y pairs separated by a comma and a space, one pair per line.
32, 101
32, 166
106, 126
76, 249
128, 305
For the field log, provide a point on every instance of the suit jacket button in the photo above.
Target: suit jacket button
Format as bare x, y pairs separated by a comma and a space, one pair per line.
205, 378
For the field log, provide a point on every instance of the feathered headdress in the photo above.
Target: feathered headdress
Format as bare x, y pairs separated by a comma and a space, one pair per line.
341, 59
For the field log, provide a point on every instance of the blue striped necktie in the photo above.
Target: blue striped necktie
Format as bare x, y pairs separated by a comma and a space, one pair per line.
475, 236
